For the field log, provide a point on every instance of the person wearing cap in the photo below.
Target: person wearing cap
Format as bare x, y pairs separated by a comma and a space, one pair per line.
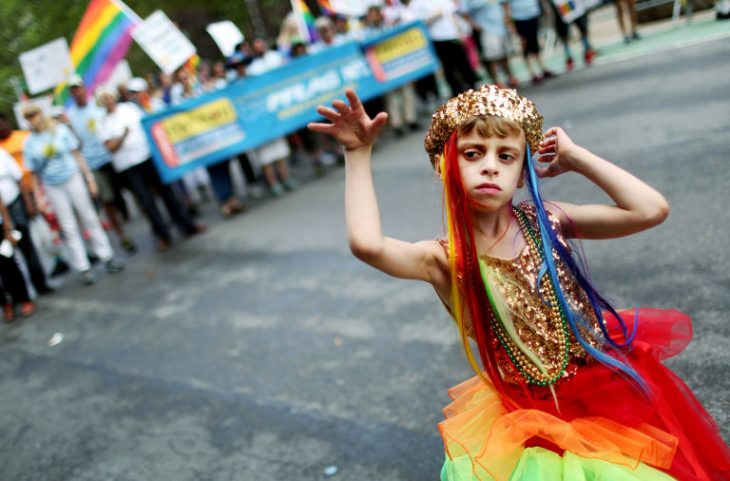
122, 134
52, 152
138, 89
237, 64
85, 118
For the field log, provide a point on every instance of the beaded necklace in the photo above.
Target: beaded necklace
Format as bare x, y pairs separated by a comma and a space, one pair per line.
557, 320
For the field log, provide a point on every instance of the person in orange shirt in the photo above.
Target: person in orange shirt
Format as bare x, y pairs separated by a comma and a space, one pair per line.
12, 141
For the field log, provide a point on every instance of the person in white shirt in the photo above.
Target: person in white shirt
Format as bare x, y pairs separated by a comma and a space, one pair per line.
271, 156
328, 36
122, 133
440, 17
17, 197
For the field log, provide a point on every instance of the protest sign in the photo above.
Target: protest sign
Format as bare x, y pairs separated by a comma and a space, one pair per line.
350, 8
46, 66
254, 110
163, 42
226, 35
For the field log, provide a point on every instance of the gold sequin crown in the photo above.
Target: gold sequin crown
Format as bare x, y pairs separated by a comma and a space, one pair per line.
488, 100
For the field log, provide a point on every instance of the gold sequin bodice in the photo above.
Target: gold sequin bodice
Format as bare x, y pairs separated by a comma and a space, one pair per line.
516, 282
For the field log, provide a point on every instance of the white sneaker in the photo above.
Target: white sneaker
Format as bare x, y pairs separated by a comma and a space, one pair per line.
88, 277
255, 191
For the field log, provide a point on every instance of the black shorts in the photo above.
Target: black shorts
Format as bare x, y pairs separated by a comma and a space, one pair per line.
527, 29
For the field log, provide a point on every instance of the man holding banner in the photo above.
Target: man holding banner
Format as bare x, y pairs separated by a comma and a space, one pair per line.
121, 132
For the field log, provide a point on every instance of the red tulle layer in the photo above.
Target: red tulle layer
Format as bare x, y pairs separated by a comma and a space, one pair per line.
670, 414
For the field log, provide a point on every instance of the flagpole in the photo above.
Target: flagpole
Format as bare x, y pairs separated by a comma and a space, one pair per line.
256, 18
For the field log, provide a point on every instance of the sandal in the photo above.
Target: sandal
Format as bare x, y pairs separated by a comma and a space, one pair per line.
27, 309
8, 313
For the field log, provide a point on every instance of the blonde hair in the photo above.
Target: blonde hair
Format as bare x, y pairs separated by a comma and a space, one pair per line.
49, 124
105, 90
490, 126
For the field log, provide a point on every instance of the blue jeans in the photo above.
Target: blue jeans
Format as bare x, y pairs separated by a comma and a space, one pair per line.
220, 177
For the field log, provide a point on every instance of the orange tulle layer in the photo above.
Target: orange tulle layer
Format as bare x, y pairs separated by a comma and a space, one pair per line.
599, 415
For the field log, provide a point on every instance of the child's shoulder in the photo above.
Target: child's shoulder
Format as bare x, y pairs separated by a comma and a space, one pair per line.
556, 215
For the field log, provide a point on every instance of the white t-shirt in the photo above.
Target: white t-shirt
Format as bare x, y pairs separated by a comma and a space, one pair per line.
134, 149
269, 61
444, 27
9, 178
398, 13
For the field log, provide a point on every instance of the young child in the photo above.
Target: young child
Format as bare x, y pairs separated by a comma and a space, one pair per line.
567, 388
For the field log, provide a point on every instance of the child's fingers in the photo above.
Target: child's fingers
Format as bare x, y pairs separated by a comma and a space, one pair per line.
353, 99
341, 107
319, 127
379, 120
328, 113
549, 141
551, 132
546, 156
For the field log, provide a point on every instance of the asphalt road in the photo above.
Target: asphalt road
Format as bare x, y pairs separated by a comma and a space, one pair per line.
264, 351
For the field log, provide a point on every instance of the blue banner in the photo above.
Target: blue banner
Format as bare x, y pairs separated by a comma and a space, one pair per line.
254, 110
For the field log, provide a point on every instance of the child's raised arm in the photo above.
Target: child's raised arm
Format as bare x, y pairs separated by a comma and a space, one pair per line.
638, 206
356, 131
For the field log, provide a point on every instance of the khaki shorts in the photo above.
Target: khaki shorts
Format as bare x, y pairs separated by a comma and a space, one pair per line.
496, 47
104, 177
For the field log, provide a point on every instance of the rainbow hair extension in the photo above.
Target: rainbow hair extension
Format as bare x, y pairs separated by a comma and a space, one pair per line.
471, 293
550, 243
467, 288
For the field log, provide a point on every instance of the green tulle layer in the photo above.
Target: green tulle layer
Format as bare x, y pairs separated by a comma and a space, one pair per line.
538, 464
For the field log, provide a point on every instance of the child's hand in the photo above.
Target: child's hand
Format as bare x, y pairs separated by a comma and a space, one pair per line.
350, 123
556, 150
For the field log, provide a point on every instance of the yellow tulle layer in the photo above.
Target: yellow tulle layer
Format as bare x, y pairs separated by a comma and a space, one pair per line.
485, 442
538, 464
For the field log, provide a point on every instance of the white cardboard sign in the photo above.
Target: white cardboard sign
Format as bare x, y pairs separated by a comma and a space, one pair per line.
46, 66
351, 8
163, 42
226, 35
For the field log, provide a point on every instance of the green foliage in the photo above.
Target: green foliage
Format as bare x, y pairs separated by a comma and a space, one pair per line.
26, 24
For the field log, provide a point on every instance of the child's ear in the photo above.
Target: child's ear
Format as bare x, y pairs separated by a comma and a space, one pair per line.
521, 182
437, 165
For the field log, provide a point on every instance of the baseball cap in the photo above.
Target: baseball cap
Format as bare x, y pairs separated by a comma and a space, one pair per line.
137, 84
76, 81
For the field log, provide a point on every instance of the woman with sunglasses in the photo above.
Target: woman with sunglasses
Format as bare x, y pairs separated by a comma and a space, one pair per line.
52, 154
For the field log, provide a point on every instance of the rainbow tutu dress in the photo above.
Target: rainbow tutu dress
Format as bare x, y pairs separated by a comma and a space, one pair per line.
592, 424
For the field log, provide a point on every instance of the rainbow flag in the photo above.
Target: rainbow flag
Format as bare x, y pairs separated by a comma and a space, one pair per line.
101, 41
305, 20
326, 7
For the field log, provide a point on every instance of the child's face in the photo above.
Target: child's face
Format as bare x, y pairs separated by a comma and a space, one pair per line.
491, 168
